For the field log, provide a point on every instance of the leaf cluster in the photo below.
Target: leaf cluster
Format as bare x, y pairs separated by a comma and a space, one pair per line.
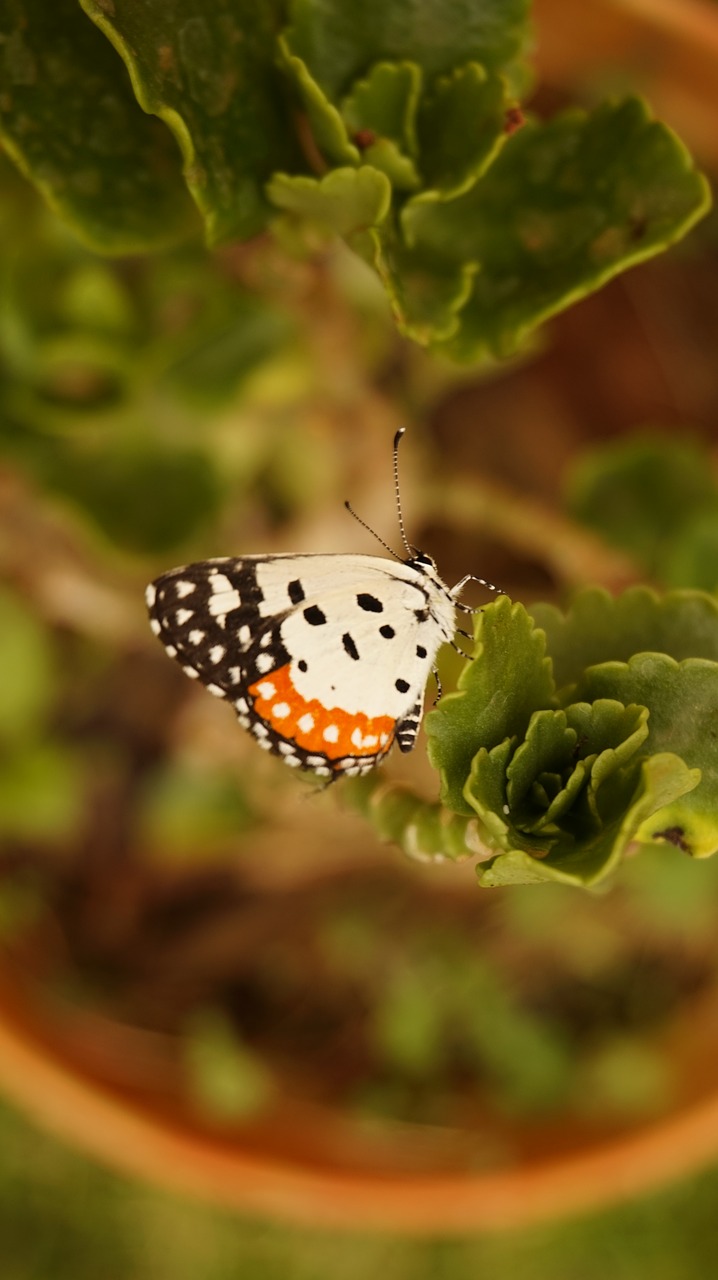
393, 125
576, 737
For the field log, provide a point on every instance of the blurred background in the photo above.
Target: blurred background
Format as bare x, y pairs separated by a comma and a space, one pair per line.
199, 947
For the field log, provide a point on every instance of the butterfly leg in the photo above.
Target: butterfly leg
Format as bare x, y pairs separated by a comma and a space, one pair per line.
483, 582
439, 690
471, 577
458, 648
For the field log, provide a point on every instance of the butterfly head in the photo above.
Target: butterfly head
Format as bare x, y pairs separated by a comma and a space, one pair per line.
422, 562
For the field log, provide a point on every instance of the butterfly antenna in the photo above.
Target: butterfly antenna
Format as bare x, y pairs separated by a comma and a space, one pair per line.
373, 532
411, 550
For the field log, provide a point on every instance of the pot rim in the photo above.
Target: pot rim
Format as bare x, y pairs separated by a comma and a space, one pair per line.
123, 1132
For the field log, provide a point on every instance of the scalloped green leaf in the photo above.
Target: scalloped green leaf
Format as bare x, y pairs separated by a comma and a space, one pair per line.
639, 493
209, 71
385, 103
329, 132
69, 120
340, 39
600, 628
661, 779
544, 773
682, 698
344, 202
453, 155
582, 747
497, 693
399, 169
565, 206
555, 791
426, 298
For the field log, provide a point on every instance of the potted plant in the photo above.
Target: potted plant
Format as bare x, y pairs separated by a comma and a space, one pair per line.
294, 1026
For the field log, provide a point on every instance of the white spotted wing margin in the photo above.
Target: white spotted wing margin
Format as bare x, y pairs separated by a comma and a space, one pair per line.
345, 642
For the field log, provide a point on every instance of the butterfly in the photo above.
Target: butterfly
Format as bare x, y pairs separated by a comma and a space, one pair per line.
324, 658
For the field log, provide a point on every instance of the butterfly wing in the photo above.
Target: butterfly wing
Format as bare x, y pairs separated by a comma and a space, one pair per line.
324, 658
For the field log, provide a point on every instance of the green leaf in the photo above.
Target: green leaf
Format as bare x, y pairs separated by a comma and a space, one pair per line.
528, 1059
188, 808
209, 72
385, 103
227, 1080
26, 669
598, 628
581, 747
380, 114
41, 791
564, 207
453, 155
692, 558
625, 1077
661, 779
554, 794
69, 120
408, 1025
426, 298
340, 39
212, 359
142, 496
640, 493
385, 156
425, 831
344, 202
682, 698
497, 694
328, 129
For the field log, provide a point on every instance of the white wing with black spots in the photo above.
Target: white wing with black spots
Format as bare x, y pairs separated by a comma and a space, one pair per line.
354, 637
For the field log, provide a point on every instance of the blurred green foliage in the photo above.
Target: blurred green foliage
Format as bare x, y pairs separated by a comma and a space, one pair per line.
656, 497
40, 774
225, 1079
114, 376
351, 117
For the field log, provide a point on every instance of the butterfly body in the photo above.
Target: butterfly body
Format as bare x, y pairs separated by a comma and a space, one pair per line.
324, 657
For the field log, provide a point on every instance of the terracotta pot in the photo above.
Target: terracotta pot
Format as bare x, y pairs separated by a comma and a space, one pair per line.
109, 1089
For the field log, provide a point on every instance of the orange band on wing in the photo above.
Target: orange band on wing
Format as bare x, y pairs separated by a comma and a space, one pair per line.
327, 731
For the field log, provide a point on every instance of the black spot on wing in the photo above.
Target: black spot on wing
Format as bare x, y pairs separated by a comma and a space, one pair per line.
350, 646
295, 591
369, 602
402, 685
387, 632
420, 651
314, 616
205, 614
